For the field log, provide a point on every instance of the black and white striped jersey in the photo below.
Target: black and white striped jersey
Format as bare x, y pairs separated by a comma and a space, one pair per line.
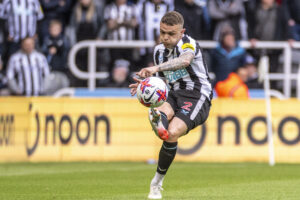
22, 17
120, 13
149, 18
194, 77
29, 72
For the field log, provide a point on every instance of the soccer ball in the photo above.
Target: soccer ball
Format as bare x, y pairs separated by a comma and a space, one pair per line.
152, 92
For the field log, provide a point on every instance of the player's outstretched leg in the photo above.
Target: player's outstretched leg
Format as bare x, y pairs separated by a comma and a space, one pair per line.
166, 157
159, 123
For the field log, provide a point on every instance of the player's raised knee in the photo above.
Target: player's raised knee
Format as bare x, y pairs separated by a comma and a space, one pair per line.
173, 135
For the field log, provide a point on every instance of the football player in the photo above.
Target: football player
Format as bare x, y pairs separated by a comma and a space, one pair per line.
179, 60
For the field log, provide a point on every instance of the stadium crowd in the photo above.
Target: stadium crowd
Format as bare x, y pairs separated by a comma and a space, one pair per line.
36, 36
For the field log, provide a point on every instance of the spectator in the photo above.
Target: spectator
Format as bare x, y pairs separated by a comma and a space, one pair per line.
54, 82
2, 76
1, 42
234, 85
121, 21
1, 33
194, 20
170, 3
227, 13
56, 46
27, 70
250, 6
87, 15
3, 80
251, 66
21, 21
293, 8
120, 76
228, 56
54, 9
201, 3
150, 13
268, 22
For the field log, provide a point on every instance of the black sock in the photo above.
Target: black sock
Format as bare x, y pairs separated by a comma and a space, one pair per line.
166, 156
164, 120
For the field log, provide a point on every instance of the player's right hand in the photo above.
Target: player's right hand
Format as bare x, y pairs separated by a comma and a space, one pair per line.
134, 86
147, 72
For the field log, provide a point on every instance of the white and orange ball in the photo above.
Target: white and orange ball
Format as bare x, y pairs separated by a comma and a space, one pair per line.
152, 92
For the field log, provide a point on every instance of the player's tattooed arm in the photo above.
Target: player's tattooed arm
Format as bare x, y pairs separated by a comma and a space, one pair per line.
177, 63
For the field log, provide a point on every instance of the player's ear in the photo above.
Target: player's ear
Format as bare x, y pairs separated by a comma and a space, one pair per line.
182, 31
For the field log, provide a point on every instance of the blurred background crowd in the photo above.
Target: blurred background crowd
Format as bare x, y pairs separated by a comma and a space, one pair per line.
36, 36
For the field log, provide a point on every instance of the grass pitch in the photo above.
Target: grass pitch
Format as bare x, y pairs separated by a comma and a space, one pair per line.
203, 181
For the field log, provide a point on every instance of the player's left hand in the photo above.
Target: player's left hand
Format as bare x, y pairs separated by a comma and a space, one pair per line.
147, 72
134, 86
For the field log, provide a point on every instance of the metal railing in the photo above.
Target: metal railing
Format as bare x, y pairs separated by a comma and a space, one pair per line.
92, 75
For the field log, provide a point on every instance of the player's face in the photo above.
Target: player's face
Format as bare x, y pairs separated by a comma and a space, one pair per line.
170, 35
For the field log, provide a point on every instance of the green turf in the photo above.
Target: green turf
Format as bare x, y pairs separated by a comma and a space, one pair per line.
245, 181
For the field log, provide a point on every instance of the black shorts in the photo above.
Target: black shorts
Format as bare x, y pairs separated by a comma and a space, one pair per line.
192, 108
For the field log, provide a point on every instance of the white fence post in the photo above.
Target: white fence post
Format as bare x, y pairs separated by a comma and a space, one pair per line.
287, 65
264, 66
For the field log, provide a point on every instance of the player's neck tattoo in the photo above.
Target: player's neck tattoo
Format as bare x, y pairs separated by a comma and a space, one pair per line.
177, 63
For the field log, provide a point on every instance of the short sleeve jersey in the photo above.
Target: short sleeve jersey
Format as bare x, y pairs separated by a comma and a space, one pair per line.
194, 77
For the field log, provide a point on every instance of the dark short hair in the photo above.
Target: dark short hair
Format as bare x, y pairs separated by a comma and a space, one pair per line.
172, 18
226, 30
55, 21
26, 38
